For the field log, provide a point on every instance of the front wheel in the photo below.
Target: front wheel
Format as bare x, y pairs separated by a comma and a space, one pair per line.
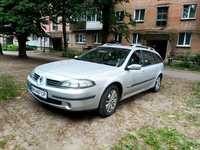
109, 101
157, 85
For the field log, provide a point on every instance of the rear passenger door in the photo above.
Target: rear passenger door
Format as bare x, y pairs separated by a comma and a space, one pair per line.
149, 69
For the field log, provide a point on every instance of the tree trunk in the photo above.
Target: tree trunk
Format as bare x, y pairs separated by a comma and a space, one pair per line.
64, 29
1, 51
22, 46
106, 17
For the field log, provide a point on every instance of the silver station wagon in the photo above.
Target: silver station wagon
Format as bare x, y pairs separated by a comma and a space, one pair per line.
97, 79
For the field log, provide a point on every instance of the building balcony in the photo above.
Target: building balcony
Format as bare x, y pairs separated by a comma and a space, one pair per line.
86, 25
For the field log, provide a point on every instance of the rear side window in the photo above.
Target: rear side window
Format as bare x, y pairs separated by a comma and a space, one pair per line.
148, 58
136, 58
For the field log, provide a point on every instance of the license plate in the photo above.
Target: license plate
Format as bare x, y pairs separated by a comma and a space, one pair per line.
39, 92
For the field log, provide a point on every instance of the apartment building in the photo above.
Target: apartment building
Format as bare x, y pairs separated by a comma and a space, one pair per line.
172, 27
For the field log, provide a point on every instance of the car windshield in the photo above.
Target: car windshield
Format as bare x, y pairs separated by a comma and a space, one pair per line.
106, 55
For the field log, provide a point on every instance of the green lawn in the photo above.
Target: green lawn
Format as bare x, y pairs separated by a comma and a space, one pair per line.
149, 138
8, 87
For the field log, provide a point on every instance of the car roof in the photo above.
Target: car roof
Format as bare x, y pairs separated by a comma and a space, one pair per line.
131, 47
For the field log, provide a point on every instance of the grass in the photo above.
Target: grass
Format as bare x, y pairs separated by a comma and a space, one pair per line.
156, 139
3, 144
10, 47
195, 100
8, 87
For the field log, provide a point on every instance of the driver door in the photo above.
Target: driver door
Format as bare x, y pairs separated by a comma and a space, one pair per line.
134, 77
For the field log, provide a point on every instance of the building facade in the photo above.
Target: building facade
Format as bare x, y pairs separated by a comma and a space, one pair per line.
172, 27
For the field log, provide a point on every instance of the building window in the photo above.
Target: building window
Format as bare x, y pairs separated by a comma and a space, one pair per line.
54, 26
34, 37
118, 38
136, 38
184, 39
139, 15
97, 38
80, 38
162, 15
119, 16
189, 11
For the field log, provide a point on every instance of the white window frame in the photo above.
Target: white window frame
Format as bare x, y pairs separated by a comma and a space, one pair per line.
189, 11
134, 17
184, 41
137, 38
81, 41
97, 39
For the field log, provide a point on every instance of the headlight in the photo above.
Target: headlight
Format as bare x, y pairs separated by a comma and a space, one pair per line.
77, 83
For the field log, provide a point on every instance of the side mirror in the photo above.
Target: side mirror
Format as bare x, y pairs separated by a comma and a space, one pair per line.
134, 67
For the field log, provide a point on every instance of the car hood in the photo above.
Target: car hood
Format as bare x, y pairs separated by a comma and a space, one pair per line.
74, 69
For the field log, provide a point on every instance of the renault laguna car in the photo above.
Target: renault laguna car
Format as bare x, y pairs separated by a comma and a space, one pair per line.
97, 79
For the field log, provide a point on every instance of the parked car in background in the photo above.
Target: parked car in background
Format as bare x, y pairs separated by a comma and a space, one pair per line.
97, 79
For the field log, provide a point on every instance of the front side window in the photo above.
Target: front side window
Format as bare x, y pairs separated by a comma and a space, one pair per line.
106, 55
189, 11
162, 15
119, 16
139, 15
136, 58
80, 38
184, 39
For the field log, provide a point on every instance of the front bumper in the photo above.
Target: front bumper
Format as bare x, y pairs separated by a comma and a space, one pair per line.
69, 99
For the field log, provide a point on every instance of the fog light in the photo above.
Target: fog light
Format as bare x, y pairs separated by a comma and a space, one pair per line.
66, 105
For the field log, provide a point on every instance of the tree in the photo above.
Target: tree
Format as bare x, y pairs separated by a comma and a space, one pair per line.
69, 10
109, 21
22, 18
1, 51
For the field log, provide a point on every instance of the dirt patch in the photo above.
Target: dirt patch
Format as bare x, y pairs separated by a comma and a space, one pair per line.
27, 124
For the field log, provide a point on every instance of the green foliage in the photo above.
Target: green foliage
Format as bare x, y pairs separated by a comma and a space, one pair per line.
8, 87
189, 62
10, 47
22, 18
3, 143
156, 139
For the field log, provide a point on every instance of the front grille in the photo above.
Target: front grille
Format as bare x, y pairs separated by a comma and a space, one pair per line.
35, 76
49, 100
55, 83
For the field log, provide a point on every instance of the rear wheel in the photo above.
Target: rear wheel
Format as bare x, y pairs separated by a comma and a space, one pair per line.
157, 85
109, 101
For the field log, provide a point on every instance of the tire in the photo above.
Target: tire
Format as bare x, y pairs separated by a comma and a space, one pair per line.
157, 85
108, 105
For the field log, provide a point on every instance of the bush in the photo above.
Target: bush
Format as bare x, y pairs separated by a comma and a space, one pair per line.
10, 47
190, 62
8, 87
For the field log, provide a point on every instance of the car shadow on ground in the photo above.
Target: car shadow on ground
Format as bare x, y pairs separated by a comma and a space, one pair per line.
87, 114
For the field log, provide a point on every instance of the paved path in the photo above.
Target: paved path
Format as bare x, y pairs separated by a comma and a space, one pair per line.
182, 74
